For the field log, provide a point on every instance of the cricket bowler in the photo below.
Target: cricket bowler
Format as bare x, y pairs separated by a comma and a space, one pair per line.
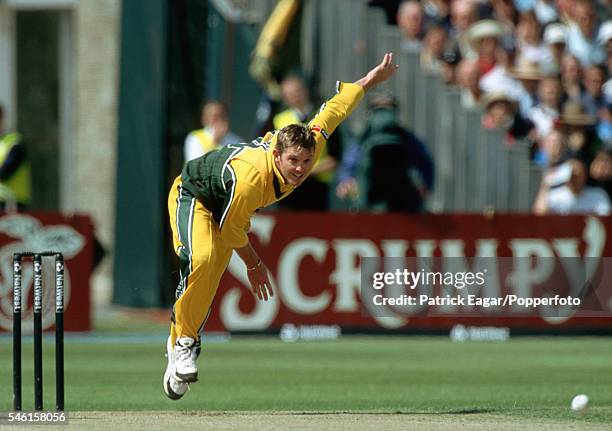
210, 206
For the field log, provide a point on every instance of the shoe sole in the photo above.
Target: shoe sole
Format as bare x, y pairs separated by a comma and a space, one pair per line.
187, 378
168, 390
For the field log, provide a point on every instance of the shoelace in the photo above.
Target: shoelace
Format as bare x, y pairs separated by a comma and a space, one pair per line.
184, 354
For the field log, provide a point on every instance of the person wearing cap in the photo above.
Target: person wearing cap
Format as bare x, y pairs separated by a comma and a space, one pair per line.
582, 35
580, 130
501, 112
547, 111
484, 37
391, 169
528, 74
555, 39
564, 191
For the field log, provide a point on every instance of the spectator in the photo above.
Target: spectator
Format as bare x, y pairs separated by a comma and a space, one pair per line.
296, 98
579, 127
605, 39
313, 193
410, 22
601, 171
500, 79
15, 177
571, 77
564, 9
394, 170
551, 150
604, 125
433, 48
547, 111
564, 191
529, 75
501, 112
582, 41
544, 10
529, 40
215, 132
451, 57
555, 38
484, 38
468, 76
436, 12
593, 97
505, 13
462, 16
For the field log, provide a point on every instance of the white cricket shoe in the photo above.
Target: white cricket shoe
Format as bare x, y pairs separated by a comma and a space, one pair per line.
173, 388
185, 368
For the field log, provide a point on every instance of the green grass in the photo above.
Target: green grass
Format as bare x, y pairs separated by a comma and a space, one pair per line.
534, 377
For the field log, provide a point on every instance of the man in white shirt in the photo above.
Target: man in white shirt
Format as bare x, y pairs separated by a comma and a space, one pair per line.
214, 134
573, 197
582, 36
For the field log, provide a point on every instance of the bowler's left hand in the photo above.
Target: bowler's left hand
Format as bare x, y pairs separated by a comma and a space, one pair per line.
260, 282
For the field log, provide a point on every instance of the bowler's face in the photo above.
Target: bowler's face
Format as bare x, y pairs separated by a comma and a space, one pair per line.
294, 164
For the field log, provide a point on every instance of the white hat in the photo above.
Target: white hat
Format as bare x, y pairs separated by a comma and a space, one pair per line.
605, 32
485, 28
555, 33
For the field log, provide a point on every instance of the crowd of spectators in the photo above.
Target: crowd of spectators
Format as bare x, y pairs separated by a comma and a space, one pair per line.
539, 69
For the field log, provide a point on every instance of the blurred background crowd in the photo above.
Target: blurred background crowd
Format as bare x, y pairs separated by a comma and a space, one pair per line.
538, 70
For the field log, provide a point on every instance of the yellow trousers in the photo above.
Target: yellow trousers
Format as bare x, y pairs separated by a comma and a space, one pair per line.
203, 260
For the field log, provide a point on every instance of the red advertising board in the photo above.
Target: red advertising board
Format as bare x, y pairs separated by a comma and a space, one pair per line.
315, 265
37, 232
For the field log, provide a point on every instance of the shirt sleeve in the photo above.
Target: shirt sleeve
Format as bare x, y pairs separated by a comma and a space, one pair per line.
13, 161
335, 111
244, 187
602, 206
193, 149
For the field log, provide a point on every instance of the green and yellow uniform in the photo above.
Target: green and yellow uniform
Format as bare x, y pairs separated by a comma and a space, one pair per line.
17, 178
211, 203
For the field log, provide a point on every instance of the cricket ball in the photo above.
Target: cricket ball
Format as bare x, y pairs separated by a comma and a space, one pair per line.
580, 403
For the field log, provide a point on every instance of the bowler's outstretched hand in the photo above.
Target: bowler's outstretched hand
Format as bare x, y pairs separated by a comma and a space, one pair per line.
380, 73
